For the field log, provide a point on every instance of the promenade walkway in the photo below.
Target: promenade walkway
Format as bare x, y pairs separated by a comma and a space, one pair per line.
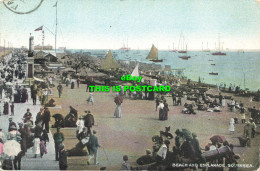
48, 161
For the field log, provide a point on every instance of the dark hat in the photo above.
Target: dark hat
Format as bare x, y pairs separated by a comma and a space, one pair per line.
125, 157
177, 131
10, 119
28, 109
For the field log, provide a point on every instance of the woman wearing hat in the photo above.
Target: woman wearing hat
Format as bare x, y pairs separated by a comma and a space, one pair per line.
161, 111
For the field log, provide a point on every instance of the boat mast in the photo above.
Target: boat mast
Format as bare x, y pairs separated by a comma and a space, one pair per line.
56, 26
244, 81
218, 42
4, 47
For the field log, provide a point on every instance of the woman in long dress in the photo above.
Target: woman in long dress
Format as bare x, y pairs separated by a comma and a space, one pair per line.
36, 146
161, 111
223, 102
118, 100
232, 126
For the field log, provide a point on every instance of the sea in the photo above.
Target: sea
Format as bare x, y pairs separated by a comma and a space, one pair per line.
237, 68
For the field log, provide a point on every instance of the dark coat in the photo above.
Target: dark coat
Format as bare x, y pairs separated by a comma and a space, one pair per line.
6, 108
89, 120
63, 159
58, 137
187, 150
93, 144
46, 115
38, 118
37, 131
196, 146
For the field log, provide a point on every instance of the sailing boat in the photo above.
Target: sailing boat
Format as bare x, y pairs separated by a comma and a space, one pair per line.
184, 57
125, 48
153, 55
219, 53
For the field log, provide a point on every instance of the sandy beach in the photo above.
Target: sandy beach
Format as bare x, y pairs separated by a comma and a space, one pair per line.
132, 134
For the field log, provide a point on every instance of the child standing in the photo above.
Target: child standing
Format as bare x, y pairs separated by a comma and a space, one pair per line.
90, 99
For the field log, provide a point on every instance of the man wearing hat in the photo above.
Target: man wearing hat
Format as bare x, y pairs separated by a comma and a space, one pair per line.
93, 146
248, 133
89, 121
46, 119
58, 139
253, 126
59, 88
196, 146
63, 158
39, 117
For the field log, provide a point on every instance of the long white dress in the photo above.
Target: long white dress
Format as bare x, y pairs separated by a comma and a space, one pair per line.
232, 125
223, 102
118, 113
80, 125
36, 146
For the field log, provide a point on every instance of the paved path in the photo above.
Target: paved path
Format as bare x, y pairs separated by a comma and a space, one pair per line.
28, 161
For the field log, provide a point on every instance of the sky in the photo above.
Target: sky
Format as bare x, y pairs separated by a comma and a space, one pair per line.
110, 24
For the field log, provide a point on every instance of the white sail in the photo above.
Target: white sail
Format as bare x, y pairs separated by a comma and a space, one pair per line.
135, 71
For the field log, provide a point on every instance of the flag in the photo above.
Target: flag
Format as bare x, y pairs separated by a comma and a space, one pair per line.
38, 29
55, 4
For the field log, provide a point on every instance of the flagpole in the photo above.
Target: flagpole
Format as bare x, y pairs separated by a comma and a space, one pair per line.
56, 27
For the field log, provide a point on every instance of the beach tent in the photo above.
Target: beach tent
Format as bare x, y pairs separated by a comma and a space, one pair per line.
135, 71
109, 63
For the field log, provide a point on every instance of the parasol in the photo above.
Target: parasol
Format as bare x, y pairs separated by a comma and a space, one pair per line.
9, 83
11, 148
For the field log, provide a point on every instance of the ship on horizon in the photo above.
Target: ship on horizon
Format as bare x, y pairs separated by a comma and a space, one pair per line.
219, 53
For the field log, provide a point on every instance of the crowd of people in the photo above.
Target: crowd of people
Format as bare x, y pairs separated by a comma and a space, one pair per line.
25, 134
